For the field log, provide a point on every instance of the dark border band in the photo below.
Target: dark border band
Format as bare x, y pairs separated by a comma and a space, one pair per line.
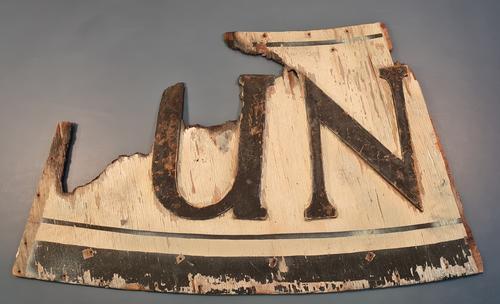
250, 275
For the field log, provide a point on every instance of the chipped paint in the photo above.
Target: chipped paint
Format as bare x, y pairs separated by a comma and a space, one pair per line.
43, 274
88, 253
426, 273
351, 268
202, 284
370, 256
208, 284
247, 275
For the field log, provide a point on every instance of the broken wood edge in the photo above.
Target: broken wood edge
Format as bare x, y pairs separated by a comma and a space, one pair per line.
214, 130
385, 32
205, 283
51, 178
235, 41
54, 174
476, 255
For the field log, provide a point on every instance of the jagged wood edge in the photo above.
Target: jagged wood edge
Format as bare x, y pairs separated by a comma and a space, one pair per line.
53, 175
232, 40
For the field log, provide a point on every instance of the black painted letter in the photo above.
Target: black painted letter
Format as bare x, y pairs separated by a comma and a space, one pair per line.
244, 196
400, 173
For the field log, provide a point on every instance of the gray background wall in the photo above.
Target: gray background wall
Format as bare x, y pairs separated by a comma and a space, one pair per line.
104, 64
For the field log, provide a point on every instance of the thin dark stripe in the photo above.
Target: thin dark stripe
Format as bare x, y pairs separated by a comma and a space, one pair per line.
310, 235
320, 42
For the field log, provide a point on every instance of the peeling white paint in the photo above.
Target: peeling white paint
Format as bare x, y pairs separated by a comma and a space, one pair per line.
43, 274
201, 284
117, 282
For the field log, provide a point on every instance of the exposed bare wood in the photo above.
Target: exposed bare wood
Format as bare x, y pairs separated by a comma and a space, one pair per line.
332, 179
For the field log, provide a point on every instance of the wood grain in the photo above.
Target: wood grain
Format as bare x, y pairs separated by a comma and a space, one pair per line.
119, 211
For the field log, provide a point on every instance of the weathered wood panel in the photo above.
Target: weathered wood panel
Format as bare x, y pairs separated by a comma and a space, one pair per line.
331, 179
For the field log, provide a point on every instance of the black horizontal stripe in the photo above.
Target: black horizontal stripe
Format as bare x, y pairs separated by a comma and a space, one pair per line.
278, 236
320, 42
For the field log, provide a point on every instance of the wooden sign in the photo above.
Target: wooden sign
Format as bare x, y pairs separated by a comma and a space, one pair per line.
332, 179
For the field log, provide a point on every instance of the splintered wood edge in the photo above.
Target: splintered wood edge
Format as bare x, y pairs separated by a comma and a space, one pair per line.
53, 174
476, 255
234, 41
51, 177
55, 165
